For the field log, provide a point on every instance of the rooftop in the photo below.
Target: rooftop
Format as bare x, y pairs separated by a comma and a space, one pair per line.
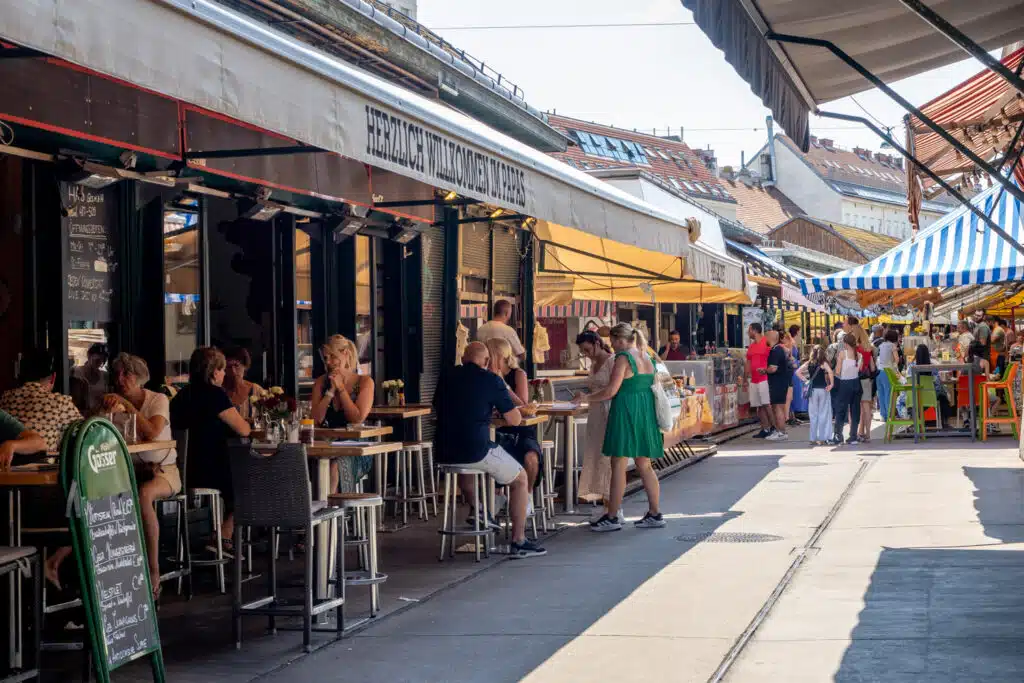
596, 146
861, 172
760, 208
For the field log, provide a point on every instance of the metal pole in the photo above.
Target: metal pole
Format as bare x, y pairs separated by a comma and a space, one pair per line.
878, 83
965, 43
931, 174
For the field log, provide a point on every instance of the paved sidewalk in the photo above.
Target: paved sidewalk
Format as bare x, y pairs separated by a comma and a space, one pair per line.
914, 579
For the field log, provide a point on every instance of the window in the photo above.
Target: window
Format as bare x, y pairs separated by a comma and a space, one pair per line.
181, 290
690, 187
303, 308
609, 148
364, 317
675, 183
663, 155
701, 188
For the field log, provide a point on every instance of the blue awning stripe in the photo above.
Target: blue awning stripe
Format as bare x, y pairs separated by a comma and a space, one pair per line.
952, 251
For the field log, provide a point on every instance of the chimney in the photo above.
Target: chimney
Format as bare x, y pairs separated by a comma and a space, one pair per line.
827, 143
773, 169
814, 140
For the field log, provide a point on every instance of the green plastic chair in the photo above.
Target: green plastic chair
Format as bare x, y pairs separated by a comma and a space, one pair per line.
929, 399
898, 387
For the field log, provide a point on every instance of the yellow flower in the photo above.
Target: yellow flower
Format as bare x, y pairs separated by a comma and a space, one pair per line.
254, 399
277, 391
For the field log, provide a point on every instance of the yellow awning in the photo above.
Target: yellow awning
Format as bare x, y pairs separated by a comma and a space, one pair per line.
579, 266
999, 304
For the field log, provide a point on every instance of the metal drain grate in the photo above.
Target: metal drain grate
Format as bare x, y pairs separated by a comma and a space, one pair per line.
727, 537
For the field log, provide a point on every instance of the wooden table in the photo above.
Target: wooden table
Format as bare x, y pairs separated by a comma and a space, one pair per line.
917, 370
332, 433
142, 447
323, 453
568, 416
532, 421
416, 411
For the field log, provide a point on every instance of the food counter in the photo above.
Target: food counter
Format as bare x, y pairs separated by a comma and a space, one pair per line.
720, 377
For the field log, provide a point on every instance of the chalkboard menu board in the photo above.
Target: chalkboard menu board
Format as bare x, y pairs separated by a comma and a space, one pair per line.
107, 537
90, 232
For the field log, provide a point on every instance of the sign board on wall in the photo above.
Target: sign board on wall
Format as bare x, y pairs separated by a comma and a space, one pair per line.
752, 314
90, 268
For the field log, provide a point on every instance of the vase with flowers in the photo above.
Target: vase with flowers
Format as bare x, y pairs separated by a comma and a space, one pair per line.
276, 411
395, 389
538, 387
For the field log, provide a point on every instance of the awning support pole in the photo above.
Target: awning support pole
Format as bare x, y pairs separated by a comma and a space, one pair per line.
931, 174
251, 152
649, 274
878, 83
964, 42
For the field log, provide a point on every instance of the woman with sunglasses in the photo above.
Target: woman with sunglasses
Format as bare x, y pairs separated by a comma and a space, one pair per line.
240, 390
343, 397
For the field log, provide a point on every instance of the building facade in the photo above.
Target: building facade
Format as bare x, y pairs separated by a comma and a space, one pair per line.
857, 187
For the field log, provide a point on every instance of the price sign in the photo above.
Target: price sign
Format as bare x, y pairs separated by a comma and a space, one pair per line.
90, 271
106, 531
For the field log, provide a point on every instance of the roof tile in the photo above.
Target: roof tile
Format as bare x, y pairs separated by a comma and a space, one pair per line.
761, 208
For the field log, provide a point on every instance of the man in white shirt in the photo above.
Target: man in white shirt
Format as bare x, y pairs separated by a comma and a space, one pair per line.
964, 337
498, 328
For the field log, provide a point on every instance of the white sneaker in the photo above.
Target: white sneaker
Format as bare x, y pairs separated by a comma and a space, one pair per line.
776, 436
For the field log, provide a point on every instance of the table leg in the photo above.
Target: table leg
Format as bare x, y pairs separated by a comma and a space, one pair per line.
323, 531
13, 655
970, 398
570, 464
917, 402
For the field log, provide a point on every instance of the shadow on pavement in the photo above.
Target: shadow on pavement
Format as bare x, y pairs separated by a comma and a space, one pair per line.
504, 624
940, 616
999, 501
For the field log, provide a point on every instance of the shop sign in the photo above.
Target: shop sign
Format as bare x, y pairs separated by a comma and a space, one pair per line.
90, 270
405, 146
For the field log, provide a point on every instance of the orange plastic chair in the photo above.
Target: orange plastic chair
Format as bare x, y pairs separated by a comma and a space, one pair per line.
1006, 385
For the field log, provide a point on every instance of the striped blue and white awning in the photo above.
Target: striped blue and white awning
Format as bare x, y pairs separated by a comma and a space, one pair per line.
958, 249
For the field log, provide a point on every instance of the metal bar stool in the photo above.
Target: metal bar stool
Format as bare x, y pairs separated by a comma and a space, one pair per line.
409, 480
450, 530
216, 517
548, 483
364, 507
182, 560
14, 559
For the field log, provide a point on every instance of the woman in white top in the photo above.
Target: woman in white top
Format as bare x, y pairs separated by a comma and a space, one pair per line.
888, 357
596, 477
156, 471
848, 365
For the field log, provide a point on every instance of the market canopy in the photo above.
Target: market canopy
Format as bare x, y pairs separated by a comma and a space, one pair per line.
983, 113
958, 249
574, 265
882, 35
204, 54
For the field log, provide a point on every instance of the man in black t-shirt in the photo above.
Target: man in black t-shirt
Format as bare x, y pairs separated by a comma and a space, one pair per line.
465, 401
780, 378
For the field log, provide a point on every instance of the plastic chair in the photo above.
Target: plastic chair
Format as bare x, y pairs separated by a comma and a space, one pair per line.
963, 395
927, 398
1006, 385
273, 492
898, 386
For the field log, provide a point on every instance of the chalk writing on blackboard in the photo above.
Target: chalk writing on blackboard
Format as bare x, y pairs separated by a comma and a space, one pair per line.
91, 233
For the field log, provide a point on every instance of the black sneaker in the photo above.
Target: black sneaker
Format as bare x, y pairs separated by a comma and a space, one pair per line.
606, 523
763, 434
528, 548
491, 523
650, 521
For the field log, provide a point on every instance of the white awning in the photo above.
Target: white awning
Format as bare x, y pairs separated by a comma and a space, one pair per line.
882, 35
205, 54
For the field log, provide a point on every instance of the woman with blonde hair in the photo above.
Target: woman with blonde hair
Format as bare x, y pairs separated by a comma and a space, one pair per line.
342, 397
632, 430
868, 367
520, 442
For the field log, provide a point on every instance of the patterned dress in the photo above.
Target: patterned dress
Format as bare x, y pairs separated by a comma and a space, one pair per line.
596, 478
41, 410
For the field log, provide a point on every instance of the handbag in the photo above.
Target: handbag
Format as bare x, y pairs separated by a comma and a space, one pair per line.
662, 408
807, 387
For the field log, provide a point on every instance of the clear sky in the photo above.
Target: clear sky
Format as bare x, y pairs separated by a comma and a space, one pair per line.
646, 77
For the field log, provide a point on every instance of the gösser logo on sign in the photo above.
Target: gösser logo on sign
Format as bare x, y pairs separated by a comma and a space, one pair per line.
101, 459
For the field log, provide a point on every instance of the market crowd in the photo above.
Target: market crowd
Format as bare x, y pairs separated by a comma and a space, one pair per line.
846, 377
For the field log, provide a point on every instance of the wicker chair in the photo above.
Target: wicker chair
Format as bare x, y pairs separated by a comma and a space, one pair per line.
272, 491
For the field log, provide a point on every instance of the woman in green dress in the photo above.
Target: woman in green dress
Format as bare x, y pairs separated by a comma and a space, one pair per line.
632, 430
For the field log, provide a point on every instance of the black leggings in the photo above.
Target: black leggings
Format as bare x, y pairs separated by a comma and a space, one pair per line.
848, 398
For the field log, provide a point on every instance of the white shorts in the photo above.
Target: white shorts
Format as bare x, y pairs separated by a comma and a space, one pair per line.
759, 395
500, 465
